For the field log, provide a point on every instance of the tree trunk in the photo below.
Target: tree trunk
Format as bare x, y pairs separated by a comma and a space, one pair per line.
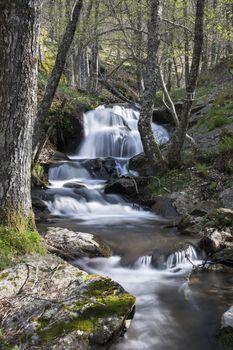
174, 152
19, 32
56, 73
151, 148
186, 45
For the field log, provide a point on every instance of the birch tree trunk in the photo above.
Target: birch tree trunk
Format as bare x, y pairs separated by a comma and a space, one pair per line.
174, 152
151, 148
19, 31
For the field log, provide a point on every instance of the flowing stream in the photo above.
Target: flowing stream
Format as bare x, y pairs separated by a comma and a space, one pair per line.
171, 313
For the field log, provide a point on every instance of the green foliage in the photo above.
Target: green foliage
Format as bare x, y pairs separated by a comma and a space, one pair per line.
226, 146
216, 117
202, 169
14, 244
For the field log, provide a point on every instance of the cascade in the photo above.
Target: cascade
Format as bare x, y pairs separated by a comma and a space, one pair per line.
144, 260
113, 132
182, 257
79, 192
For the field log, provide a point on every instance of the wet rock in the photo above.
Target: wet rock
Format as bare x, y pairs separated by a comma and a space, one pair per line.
163, 115
69, 131
225, 334
59, 156
226, 198
72, 245
215, 240
49, 304
141, 165
164, 206
102, 168
122, 186
75, 184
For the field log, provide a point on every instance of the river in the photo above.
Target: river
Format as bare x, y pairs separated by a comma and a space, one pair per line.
172, 312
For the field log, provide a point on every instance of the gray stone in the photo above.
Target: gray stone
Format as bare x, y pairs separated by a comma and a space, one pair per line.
71, 245
226, 198
214, 240
164, 206
47, 304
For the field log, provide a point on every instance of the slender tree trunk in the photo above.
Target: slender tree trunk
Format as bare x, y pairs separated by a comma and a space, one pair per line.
94, 69
186, 45
19, 31
214, 44
83, 69
56, 73
151, 148
174, 152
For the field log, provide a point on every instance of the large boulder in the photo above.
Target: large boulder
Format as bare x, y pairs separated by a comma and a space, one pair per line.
102, 168
215, 240
226, 198
141, 165
73, 245
47, 304
124, 186
164, 206
225, 333
221, 217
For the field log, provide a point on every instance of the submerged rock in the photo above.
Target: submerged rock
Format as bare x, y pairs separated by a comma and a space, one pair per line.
71, 245
225, 334
48, 304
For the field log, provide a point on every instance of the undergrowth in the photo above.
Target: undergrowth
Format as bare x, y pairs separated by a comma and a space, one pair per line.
173, 181
14, 244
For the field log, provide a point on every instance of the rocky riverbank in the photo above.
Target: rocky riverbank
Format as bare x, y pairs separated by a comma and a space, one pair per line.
48, 303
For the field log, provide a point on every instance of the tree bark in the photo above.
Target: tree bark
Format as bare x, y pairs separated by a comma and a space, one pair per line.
56, 73
151, 148
174, 152
186, 45
19, 32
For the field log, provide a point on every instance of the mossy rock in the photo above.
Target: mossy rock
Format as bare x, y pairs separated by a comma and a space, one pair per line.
68, 307
221, 217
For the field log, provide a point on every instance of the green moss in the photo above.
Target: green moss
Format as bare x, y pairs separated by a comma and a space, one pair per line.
14, 243
48, 334
3, 275
100, 300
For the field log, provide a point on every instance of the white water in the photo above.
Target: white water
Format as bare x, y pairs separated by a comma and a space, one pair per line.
153, 327
113, 132
182, 257
108, 132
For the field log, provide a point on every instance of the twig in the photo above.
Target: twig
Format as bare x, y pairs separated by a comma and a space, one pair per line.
26, 279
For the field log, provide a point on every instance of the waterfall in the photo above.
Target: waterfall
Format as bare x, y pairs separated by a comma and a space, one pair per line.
144, 260
182, 257
113, 132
